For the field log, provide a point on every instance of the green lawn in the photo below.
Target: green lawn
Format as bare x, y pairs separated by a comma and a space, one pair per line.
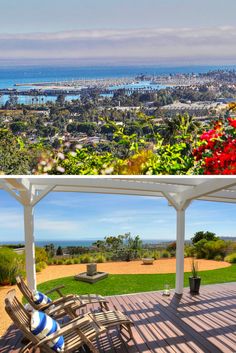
124, 284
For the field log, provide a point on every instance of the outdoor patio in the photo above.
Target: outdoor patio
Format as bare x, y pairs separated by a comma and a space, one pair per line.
179, 323
204, 323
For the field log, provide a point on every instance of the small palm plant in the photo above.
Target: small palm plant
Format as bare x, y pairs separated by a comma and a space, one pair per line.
194, 280
194, 268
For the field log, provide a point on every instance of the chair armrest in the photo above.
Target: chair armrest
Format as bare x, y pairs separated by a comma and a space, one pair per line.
71, 321
65, 305
68, 299
58, 301
56, 289
77, 325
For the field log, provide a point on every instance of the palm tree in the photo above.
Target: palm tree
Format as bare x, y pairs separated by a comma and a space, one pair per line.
180, 125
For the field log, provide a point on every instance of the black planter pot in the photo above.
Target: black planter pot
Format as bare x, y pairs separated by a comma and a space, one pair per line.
194, 284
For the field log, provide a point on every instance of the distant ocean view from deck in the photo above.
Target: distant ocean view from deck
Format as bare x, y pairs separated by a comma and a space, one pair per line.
9, 76
84, 243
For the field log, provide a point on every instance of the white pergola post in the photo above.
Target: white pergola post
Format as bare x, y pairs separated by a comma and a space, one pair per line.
180, 230
29, 246
180, 206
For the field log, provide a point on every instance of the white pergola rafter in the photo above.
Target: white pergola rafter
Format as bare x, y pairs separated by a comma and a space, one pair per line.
178, 191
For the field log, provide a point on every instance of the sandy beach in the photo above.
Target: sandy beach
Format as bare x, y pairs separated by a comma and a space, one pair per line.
133, 267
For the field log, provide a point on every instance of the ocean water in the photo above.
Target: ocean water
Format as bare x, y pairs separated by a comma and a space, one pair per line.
42, 99
84, 243
9, 76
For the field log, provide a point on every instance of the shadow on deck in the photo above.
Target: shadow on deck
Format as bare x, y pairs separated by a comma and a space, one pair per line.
198, 324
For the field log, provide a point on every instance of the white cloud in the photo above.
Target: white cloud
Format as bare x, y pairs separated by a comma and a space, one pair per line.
11, 218
135, 216
54, 225
159, 44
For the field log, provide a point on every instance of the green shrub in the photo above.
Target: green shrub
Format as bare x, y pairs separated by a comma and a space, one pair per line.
43, 264
147, 254
40, 266
218, 258
231, 258
40, 255
100, 259
165, 254
108, 256
189, 251
50, 262
85, 259
214, 248
11, 265
55, 261
69, 262
60, 262
156, 255
200, 249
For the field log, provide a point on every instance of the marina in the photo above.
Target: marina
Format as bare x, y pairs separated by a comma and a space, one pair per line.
43, 92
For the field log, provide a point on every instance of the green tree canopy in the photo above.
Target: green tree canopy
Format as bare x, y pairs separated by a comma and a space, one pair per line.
203, 235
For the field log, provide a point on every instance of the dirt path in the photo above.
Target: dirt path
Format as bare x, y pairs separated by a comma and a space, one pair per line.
133, 267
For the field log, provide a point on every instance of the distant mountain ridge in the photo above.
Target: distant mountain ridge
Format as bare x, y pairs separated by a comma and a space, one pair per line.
228, 238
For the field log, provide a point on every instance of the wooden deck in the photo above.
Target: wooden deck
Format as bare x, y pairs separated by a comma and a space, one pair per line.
204, 323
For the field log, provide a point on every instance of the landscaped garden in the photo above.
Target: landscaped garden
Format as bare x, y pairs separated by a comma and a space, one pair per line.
124, 284
121, 249
121, 257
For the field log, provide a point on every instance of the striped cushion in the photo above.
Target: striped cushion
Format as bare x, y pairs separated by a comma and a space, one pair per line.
40, 299
42, 326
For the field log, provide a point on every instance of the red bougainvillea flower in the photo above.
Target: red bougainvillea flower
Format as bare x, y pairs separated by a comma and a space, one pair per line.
217, 153
232, 122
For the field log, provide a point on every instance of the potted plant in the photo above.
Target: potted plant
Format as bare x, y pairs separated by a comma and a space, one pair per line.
194, 280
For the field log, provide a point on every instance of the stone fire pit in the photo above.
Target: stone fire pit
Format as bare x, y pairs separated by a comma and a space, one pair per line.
92, 275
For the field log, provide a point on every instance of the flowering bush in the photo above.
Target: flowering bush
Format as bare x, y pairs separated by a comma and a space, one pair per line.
130, 155
189, 152
216, 152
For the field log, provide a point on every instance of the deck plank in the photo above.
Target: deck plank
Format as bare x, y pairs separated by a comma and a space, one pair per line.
177, 324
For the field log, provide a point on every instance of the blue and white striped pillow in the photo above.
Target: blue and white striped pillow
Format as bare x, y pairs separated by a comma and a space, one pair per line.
42, 326
40, 299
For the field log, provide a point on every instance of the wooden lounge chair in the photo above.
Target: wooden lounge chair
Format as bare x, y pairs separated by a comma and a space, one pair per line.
110, 319
78, 332
64, 304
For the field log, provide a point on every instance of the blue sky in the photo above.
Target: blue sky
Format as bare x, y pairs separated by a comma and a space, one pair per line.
78, 216
120, 31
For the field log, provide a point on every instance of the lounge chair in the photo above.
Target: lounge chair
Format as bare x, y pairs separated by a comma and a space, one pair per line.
77, 333
68, 304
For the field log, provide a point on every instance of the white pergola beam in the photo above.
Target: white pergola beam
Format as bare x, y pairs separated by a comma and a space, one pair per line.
110, 184
206, 188
171, 199
217, 199
7, 188
41, 195
94, 190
